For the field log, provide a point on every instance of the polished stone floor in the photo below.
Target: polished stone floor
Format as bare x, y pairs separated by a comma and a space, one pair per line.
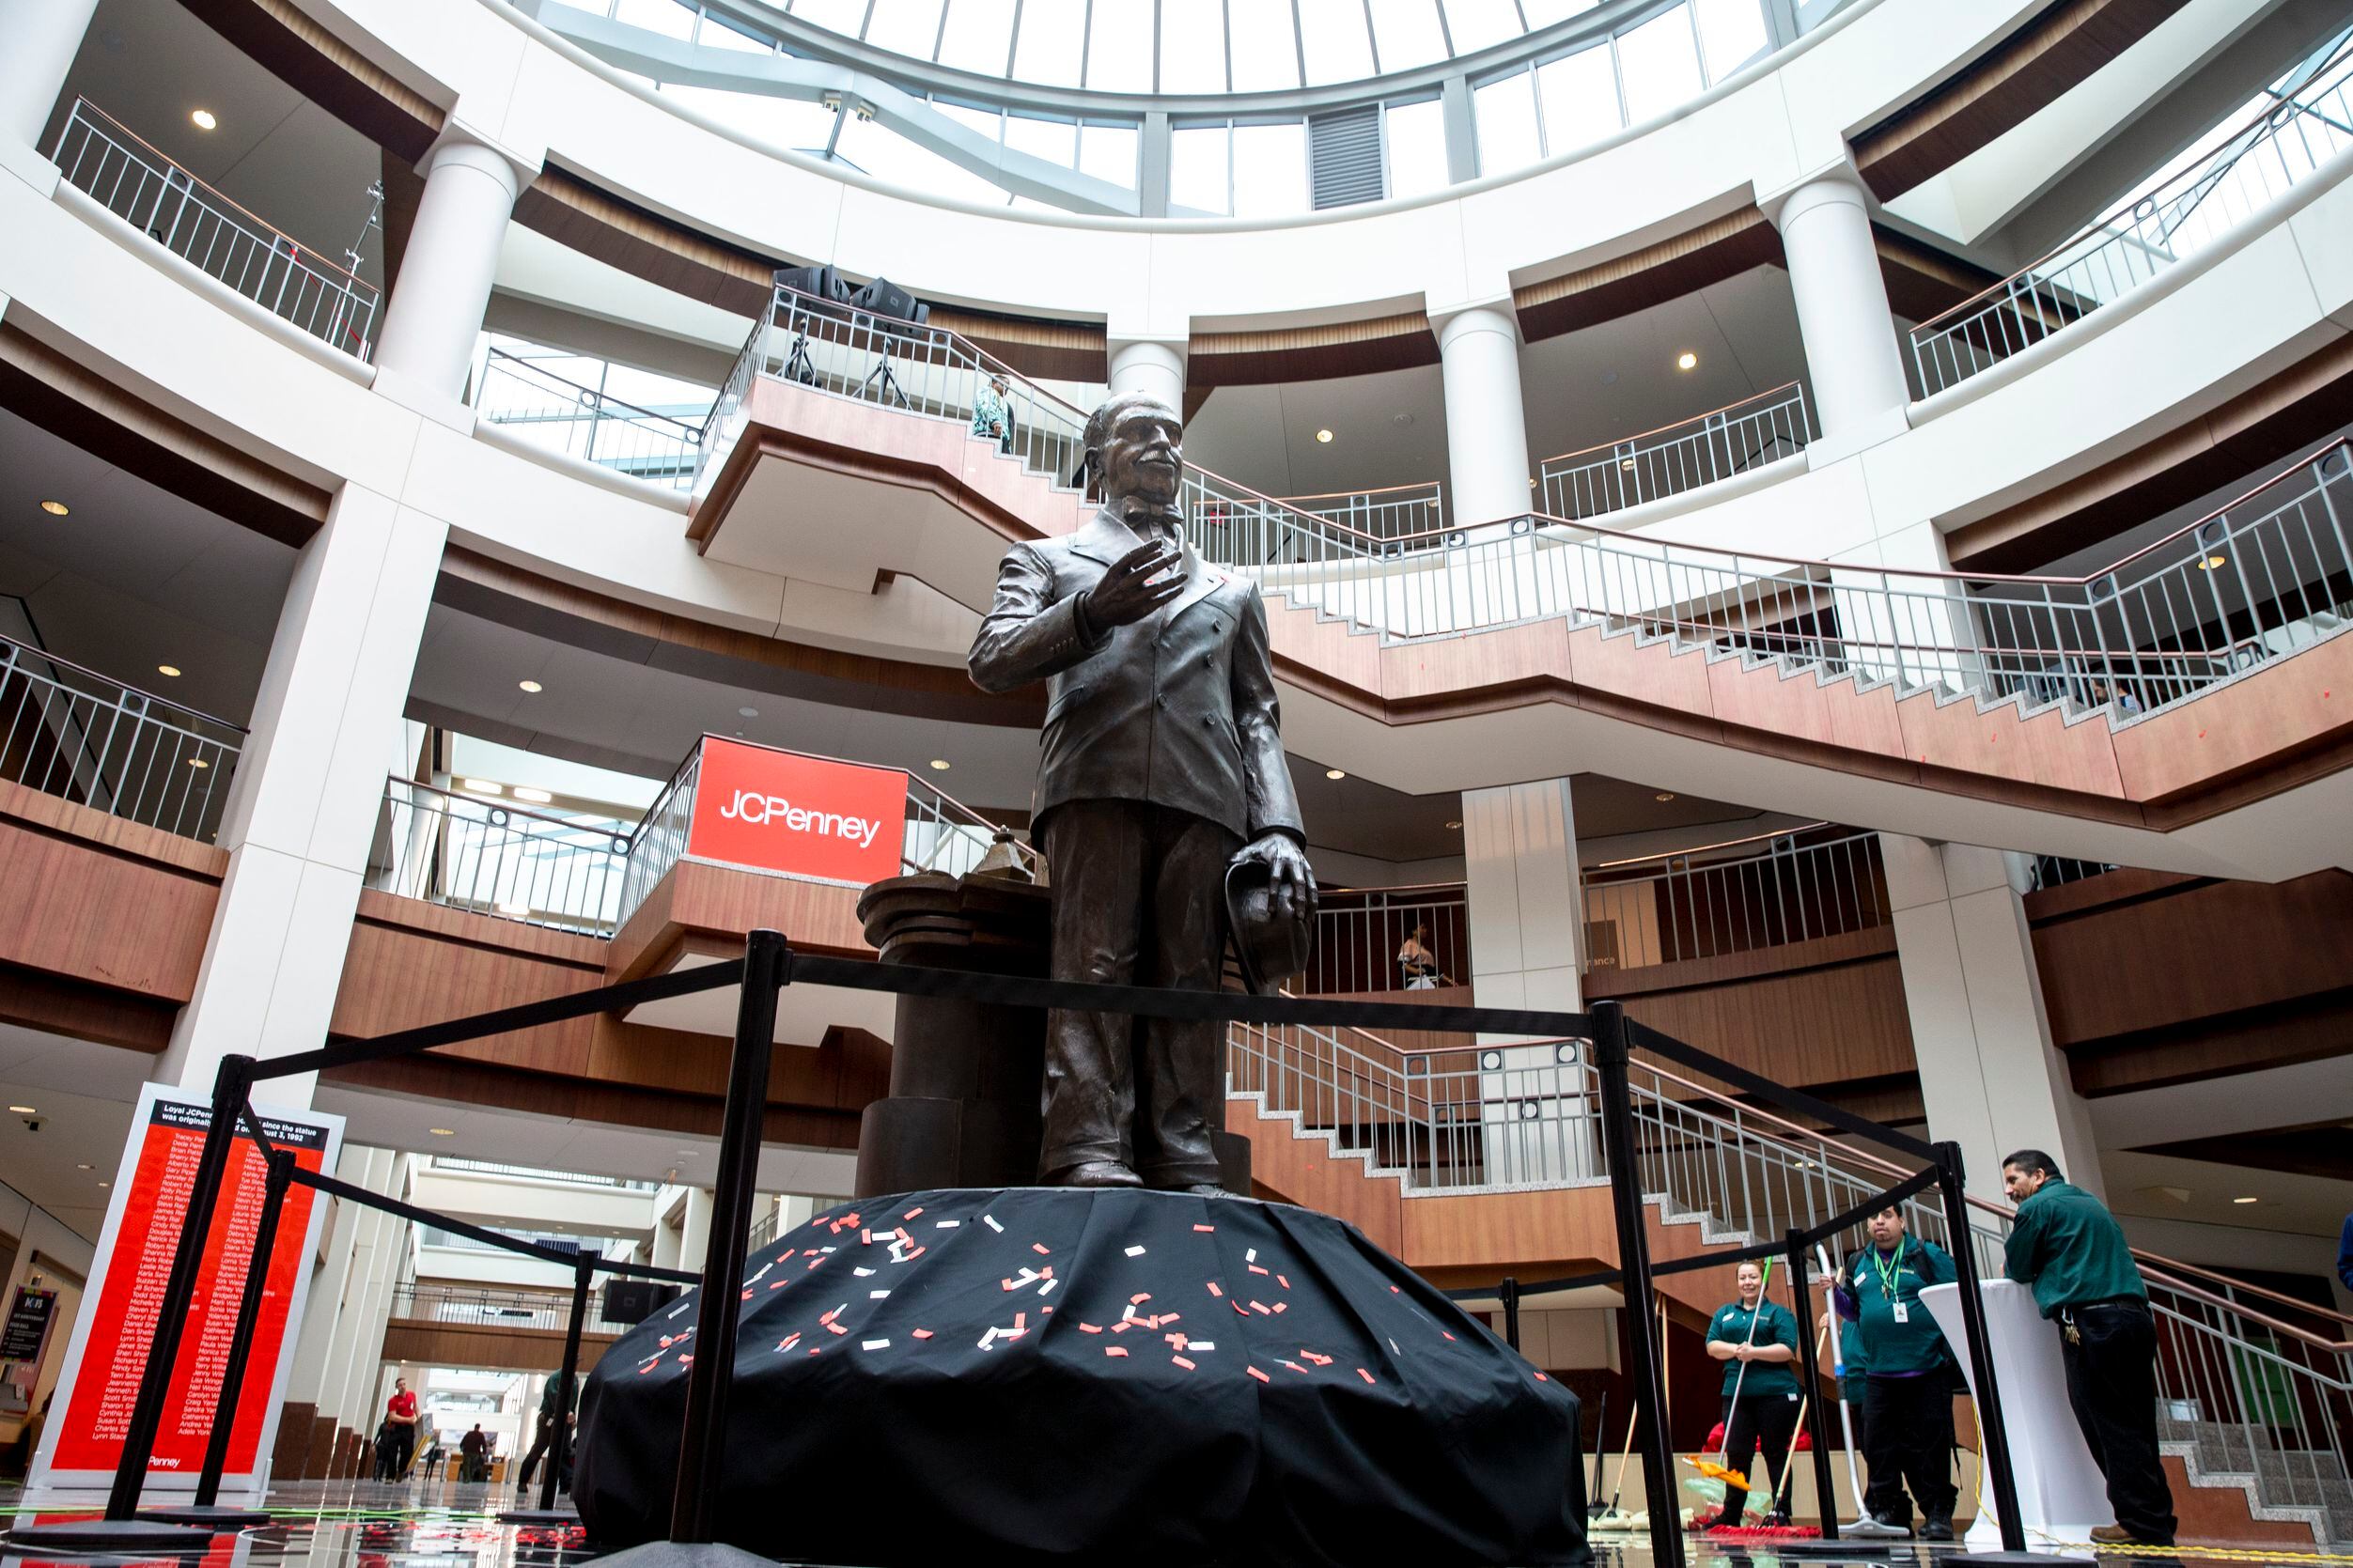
371, 1525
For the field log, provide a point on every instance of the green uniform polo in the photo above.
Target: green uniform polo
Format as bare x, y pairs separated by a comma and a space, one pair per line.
1899, 1335
2070, 1248
1774, 1327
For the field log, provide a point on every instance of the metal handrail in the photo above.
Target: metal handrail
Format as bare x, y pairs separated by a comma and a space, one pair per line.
480, 853
148, 189
82, 736
2131, 245
1684, 455
587, 421
1359, 933
1395, 511
1787, 892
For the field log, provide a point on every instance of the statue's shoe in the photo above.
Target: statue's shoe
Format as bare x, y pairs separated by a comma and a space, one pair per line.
1099, 1173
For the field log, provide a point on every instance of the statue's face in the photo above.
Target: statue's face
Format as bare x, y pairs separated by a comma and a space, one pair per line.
1144, 457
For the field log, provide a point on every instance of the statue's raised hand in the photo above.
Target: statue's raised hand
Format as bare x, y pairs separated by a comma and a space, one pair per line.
1127, 594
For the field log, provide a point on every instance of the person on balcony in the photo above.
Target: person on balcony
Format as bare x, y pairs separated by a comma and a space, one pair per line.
1756, 1340
1907, 1412
2069, 1248
991, 414
1415, 961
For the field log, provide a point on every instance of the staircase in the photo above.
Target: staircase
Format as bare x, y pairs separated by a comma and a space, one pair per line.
2255, 1391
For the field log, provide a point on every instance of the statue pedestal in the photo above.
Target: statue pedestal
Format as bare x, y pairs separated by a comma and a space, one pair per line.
962, 1108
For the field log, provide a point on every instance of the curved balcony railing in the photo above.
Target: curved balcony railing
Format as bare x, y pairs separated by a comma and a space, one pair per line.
1738, 897
86, 737
2178, 217
1597, 480
474, 852
1396, 512
143, 188
2257, 1386
2263, 577
1361, 933
559, 414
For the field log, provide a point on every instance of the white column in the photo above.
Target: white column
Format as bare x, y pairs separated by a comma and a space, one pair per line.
331, 1282
42, 38
347, 1384
1850, 352
1153, 365
1522, 908
1486, 431
445, 273
308, 789
1989, 1075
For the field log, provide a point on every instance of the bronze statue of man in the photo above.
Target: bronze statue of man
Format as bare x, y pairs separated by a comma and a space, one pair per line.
1162, 765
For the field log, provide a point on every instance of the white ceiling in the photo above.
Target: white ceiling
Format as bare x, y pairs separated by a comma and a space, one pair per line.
83, 1096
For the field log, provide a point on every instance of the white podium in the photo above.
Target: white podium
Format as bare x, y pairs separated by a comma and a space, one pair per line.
2060, 1494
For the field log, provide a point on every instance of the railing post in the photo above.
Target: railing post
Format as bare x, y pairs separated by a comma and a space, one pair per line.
1809, 1361
1610, 1058
703, 1437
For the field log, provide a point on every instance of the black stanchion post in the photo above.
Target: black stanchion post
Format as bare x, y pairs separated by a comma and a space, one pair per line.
703, 1440
204, 1510
558, 1452
1509, 1291
2001, 1480
1610, 1055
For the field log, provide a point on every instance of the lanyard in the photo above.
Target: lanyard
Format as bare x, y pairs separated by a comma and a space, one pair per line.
1888, 1276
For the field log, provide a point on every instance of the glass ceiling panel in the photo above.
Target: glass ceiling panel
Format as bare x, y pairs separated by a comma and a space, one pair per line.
1269, 170
1196, 167
670, 18
1407, 33
1118, 46
1333, 34
906, 27
978, 35
1416, 134
840, 16
1732, 32
1192, 46
1476, 25
1543, 13
1579, 97
1659, 63
1053, 41
720, 33
1265, 51
1108, 152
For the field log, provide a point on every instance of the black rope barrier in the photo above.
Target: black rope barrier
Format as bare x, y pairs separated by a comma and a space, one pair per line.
769, 965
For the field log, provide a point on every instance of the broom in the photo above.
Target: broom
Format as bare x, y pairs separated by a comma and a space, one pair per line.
1611, 1517
1600, 1436
1716, 1475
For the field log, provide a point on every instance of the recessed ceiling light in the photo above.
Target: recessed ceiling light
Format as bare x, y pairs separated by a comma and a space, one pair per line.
2246, 1200
24, 1109
2212, 562
482, 787
1456, 826
529, 686
198, 762
1324, 436
747, 712
941, 765
56, 508
106, 1183
205, 119
85, 1166
1401, 420
1335, 773
538, 797
1666, 795
1626, 462
1686, 361
443, 1132
172, 670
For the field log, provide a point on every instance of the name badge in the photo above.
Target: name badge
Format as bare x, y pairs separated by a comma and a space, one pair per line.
1903, 1311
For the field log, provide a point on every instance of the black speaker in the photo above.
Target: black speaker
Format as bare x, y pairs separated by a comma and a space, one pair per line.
884, 298
821, 282
632, 1302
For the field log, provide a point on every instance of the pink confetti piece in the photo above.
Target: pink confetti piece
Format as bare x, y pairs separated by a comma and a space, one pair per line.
1240, 1308
1041, 1249
834, 1313
1307, 1355
1259, 1376
1281, 1306
790, 1340
1541, 1378
780, 1284
1116, 1350
1365, 1375
1138, 1299
1256, 1269
1449, 1336
1205, 1228
835, 1329
1090, 1327
865, 1238
913, 1212
923, 1333
1297, 1368
1213, 1290
1283, 1282
1182, 1362
1262, 1309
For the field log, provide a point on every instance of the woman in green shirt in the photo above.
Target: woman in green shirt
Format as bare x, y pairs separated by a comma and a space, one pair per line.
1758, 1342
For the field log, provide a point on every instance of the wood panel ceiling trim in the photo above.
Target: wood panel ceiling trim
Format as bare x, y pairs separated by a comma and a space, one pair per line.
1712, 251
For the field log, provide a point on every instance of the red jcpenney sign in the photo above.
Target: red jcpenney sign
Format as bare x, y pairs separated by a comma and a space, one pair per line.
806, 816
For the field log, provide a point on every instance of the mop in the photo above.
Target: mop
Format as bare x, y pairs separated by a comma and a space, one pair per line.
1611, 1516
1717, 1474
1865, 1528
1774, 1487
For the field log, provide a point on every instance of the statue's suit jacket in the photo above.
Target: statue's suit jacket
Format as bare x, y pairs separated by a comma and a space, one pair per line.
1177, 709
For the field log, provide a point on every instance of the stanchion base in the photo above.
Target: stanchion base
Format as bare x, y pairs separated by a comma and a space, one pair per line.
685, 1554
1851, 1547
2019, 1559
218, 1516
546, 1518
98, 1534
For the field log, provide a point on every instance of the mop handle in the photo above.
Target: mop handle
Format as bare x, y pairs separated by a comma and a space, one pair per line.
1626, 1457
1723, 1455
1845, 1423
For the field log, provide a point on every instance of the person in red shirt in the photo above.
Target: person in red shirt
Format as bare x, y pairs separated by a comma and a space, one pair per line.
401, 1411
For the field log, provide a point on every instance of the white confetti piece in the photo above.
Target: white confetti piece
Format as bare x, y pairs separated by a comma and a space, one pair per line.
875, 1344
1047, 1289
1200, 1345
945, 1224
991, 1221
1135, 1251
885, 1294
1251, 1256
862, 1273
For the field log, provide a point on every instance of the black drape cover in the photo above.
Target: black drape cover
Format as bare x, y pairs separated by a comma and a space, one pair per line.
939, 1377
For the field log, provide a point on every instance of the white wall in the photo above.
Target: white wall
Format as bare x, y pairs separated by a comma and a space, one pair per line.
44, 1243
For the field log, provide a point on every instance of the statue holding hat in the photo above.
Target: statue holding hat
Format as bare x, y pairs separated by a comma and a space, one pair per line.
1164, 799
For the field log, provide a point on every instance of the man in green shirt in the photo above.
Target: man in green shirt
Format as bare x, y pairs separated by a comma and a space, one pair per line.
1907, 1413
1758, 1342
991, 414
2072, 1251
